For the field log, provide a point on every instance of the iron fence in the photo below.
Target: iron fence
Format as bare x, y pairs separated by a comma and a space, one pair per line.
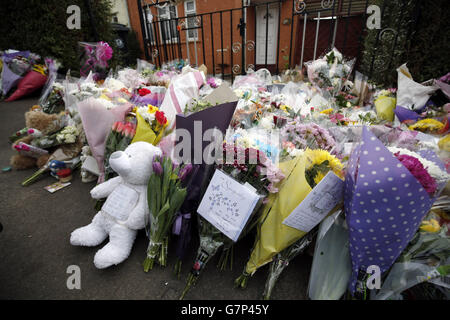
273, 34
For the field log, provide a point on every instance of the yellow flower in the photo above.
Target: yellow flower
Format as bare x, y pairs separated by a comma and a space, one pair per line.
444, 143
431, 226
427, 125
318, 156
319, 176
327, 111
152, 109
285, 108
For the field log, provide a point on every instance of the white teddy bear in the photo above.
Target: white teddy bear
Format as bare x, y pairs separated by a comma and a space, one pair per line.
124, 211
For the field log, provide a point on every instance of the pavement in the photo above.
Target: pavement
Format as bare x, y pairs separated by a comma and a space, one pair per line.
35, 252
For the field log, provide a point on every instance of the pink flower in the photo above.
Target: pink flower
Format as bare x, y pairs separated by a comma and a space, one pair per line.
103, 53
271, 188
418, 171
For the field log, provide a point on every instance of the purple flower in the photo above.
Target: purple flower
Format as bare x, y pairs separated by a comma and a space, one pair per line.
185, 171
157, 168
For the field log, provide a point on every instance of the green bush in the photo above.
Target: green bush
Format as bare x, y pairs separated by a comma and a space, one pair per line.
420, 38
41, 27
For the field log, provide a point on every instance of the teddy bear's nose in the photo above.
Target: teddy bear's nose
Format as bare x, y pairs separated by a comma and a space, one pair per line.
116, 155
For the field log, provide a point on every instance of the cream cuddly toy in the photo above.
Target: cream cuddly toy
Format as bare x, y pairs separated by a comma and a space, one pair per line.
125, 208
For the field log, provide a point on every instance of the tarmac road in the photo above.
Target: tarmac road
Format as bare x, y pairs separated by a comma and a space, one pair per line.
35, 251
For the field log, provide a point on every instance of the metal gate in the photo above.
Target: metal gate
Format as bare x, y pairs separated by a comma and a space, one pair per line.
277, 34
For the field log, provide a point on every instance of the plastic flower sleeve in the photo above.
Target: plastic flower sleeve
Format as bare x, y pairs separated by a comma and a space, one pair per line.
180, 92
412, 95
329, 73
425, 258
97, 122
9, 78
331, 266
384, 205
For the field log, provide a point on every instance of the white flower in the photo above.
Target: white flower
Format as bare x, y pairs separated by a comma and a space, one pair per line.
266, 123
148, 117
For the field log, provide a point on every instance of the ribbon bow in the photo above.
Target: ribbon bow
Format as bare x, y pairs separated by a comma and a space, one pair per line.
179, 222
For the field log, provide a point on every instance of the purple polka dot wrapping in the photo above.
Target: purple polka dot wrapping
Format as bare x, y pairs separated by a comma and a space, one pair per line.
384, 206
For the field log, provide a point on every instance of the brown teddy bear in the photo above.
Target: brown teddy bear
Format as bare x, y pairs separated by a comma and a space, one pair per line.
46, 124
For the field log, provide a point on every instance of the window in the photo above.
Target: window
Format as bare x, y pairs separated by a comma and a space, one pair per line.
149, 32
190, 11
168, 25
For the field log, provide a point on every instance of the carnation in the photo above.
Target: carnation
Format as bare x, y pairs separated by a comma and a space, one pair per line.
418, 171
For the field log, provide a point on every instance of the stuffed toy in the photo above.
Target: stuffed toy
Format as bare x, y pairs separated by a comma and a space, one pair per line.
125, 209
38, 123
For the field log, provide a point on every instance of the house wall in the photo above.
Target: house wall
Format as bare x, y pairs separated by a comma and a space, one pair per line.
120, 9
289, 30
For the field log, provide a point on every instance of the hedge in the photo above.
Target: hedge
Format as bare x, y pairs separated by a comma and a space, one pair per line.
41, 27
421, 41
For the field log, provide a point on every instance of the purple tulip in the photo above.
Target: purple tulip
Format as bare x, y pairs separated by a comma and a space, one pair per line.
157, 168
185, 171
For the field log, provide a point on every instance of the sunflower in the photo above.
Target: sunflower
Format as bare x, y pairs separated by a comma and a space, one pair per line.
319, 162
427, 125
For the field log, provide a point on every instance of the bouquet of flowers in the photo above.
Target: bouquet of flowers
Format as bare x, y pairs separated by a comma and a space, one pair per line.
151, 124
388, 192
55, 100
385, 103
67, 135
330, 72
95, 57
302, 173
247, 166
97, 121
33, 80
297, 135
119, 138
165, 197
15, 66
424, 259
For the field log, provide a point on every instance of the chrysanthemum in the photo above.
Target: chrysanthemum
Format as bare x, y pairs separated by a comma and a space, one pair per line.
427, 125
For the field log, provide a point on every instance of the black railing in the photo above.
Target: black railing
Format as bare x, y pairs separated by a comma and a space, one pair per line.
276, 34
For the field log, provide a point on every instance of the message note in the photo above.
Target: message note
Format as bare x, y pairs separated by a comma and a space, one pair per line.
317, 204
228, 204
121, 202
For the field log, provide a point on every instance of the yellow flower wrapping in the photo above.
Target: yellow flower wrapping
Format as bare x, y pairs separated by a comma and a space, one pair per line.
273, 236
145, 133
385, 107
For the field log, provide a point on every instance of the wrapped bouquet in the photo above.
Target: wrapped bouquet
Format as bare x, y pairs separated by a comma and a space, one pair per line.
329, 72
165, 197
303, 173
151, 124
388, 193
229, 207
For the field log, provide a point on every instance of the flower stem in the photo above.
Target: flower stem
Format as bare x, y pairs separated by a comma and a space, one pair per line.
34, 177
242, 280
189, 283
148, 264
177, 268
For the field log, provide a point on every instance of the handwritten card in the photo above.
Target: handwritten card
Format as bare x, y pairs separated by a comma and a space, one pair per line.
228, 204
317, 204
121, 202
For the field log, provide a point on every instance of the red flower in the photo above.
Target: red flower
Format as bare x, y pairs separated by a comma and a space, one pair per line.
197, 266
161, 118
143, 92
